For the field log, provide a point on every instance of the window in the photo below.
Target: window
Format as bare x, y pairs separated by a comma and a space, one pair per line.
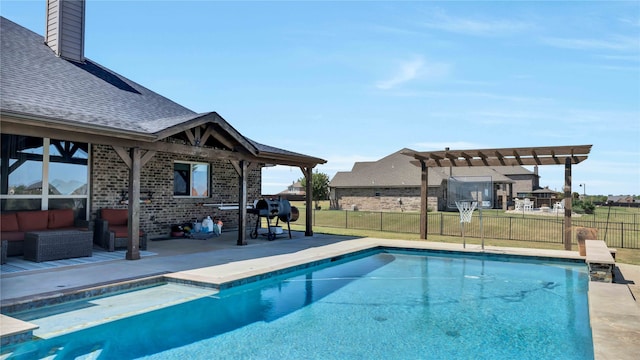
190, 179
43, 173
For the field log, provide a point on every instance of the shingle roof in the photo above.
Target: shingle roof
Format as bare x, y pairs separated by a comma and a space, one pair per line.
35, 82
396, 170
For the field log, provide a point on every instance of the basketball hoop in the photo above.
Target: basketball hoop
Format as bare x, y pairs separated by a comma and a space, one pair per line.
466, 210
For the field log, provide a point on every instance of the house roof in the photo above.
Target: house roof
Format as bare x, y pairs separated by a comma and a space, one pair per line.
397, 170
545, 190
40, 89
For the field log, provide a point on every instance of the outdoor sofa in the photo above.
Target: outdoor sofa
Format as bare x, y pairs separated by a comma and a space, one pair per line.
14, 226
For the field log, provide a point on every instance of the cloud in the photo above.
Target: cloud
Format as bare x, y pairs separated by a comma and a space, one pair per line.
616, 43
472, 94
475, 27
406, 72
414, 69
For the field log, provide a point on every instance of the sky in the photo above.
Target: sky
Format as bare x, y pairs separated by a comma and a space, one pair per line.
354, 81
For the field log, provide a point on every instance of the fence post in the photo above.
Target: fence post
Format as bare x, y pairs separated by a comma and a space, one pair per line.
346, 219
380, 220
622, 235
441, 223
510, 224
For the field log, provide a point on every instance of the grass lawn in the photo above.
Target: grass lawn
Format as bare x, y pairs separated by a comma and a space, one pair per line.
627, 256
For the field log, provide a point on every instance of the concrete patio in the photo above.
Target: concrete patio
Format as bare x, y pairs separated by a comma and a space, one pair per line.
615, 315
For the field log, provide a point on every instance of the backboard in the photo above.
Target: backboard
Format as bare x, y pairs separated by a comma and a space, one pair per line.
470, 188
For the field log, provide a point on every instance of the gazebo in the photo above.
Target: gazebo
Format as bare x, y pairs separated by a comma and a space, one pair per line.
547, 155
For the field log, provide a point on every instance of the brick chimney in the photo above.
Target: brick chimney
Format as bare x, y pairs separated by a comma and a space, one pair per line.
64, 32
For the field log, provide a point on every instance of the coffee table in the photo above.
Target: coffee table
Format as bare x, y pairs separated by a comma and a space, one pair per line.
57, 244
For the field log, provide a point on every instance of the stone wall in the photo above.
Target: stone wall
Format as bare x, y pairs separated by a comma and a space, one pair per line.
383, 199
110, 176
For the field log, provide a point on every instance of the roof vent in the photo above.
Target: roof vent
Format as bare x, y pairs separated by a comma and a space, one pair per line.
64, 32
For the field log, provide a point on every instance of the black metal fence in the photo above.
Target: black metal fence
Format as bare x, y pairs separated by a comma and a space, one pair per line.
621, 232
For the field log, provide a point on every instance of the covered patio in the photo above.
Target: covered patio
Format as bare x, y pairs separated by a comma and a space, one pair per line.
78, 135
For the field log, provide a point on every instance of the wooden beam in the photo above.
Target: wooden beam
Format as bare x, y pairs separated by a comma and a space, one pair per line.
236, 166
192, 139
222, 140
567, 204
483, 158
133, 245
146, 157
517, 157
467, 158
57, 130
452, 158
123, 154
197, 136
535, 157
207, 133
121, 142
242, 203
505, 162
500, 157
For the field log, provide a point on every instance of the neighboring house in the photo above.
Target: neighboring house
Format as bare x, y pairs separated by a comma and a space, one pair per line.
393, 183
544, 197
94, 136
621, 199
294, 192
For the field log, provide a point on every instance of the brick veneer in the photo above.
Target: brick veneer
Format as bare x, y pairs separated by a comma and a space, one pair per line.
110, 176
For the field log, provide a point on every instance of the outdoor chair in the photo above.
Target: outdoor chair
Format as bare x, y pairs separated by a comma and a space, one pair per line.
519, 204
112, 230
527, 205
559, 206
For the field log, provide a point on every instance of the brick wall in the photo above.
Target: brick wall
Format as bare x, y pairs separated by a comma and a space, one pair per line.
110, 176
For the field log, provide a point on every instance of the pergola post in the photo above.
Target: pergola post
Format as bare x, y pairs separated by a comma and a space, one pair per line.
567, 204
424, 200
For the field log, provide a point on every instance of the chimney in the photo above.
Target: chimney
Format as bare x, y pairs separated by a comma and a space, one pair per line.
64, 32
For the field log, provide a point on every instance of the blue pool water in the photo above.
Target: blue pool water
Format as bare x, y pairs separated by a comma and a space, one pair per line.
397, 305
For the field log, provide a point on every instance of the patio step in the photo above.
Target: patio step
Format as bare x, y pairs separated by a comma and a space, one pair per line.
74, 316
15, 331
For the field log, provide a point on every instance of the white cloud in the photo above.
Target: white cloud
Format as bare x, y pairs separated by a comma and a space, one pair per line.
617, 43
406, 72
472, 94
476, 27
417, 68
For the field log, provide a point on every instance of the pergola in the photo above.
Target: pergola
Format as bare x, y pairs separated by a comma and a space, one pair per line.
547, 155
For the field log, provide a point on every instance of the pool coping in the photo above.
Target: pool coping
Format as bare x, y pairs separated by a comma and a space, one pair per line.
615, 329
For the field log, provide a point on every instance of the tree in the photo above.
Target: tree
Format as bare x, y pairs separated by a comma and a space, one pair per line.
319, 186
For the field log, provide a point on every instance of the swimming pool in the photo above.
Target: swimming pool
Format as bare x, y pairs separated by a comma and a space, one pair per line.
383, 304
